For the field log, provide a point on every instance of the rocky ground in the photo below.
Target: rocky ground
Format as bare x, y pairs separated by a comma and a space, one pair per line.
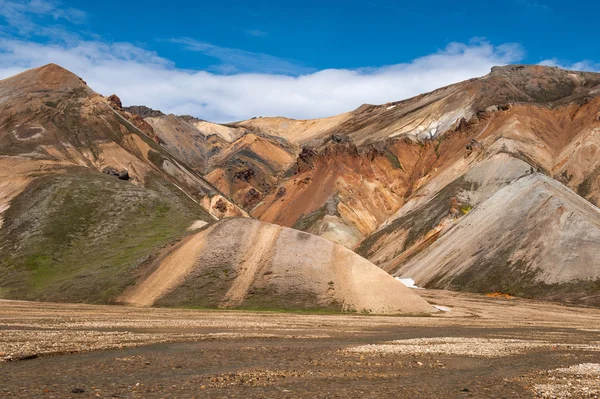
485, 347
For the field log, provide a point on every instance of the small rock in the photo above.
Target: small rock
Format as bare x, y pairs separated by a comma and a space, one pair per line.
336, 138
77, 390
473, 144
281, 192
221, 205
251, 198
462, 125
109, 170
123, 175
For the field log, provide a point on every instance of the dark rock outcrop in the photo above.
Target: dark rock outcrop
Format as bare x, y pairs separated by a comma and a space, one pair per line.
305, 160
221, 205
115, 102
462, 125
245, 175
281, 192
122, 175
473, 144
251, 198
143, 111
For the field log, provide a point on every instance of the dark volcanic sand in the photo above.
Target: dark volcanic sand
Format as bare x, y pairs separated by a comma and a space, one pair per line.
300, 355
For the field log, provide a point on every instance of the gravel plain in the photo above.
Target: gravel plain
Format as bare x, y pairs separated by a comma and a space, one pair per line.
484, 347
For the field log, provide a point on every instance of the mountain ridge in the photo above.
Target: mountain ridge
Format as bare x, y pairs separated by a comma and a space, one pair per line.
393, 182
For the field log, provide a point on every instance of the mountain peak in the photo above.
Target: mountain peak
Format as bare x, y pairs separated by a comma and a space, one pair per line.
47, 77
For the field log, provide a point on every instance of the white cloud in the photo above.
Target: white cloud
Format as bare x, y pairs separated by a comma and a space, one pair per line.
22, 14
269, 85
142, 77
575, 66
232, 59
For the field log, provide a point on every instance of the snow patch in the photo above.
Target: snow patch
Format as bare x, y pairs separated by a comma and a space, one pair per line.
409, 282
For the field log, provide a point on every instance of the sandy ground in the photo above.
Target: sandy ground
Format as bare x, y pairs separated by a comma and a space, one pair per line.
485, 347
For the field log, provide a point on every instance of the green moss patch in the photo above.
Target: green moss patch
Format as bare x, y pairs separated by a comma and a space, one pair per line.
79, 237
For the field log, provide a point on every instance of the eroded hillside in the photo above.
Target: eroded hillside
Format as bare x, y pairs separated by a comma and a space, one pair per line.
452, 188
391, 180
85, 195
249, 264
100, 205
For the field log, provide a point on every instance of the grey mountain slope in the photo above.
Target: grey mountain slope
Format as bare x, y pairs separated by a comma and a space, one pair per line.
532, 238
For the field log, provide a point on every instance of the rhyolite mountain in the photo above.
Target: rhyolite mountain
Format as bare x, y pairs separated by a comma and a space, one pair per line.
487, 185
391, 180
94, 205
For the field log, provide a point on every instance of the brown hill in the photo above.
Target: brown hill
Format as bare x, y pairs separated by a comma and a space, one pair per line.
85, 196
249, 264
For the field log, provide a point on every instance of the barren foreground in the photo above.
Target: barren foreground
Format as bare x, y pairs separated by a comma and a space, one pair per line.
485, 347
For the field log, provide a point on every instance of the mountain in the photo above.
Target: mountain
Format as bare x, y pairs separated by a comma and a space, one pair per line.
95, 198
391, 180
66, 225
531, 238
487, 185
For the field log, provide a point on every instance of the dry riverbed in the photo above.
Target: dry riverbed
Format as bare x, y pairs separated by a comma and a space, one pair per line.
484, 347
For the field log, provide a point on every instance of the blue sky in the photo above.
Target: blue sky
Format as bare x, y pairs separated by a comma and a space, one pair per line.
351, 33
232, 60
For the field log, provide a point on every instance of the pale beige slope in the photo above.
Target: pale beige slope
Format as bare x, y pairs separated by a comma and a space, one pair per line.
253, 266
533, 238
294, 130
209, 128
247, 263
